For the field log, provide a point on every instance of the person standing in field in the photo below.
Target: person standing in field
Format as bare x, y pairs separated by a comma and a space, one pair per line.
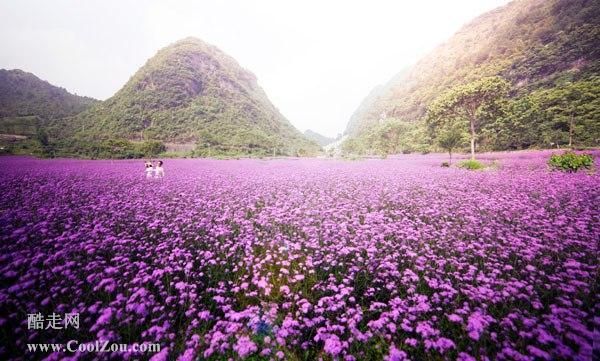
159, 171
149, 170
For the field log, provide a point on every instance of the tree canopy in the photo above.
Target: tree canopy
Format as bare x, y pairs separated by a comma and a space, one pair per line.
471, 104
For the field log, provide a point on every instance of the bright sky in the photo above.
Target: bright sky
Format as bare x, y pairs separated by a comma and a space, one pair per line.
316, 60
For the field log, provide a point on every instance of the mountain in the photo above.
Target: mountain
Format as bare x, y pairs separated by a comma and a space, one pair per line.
368, 106
192, 94
541, 47
27, 106
318, 138
24, 94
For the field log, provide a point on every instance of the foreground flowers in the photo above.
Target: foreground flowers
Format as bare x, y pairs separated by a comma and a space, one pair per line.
300, 259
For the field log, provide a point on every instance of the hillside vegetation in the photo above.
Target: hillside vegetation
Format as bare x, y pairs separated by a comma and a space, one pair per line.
191, 92
23, 94
320, 139
28, 105
547, 52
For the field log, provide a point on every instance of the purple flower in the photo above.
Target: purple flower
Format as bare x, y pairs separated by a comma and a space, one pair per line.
359, 255
333, 346
396, 354
244, 346
454, 318
476, 324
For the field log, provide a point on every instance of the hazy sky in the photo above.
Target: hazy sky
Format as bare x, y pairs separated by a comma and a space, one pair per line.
316, 60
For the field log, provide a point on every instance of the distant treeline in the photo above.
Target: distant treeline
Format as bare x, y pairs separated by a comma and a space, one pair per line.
565, 115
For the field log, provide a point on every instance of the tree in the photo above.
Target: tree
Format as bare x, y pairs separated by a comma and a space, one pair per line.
391, 136
42, 137
573, 109
518, 127
472, 103
45, 148
151, 148
387, 138
353, 146
450, 138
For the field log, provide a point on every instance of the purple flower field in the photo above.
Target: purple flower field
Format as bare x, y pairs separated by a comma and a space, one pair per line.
304, 259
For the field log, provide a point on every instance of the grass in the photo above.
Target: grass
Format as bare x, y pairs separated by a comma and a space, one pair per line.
471, 164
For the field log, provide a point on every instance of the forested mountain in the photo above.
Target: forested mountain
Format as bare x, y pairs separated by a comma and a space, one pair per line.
192, 93
546, 50
28, 105
23, 94
320, 139
190, 96
368, 107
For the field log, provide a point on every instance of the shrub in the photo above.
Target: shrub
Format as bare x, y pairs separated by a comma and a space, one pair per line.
570, 162
151, 148
471, 164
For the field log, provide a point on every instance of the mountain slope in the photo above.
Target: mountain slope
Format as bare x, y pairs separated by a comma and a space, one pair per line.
320, 139
191, 92
369, 106
24, 94
537, 45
